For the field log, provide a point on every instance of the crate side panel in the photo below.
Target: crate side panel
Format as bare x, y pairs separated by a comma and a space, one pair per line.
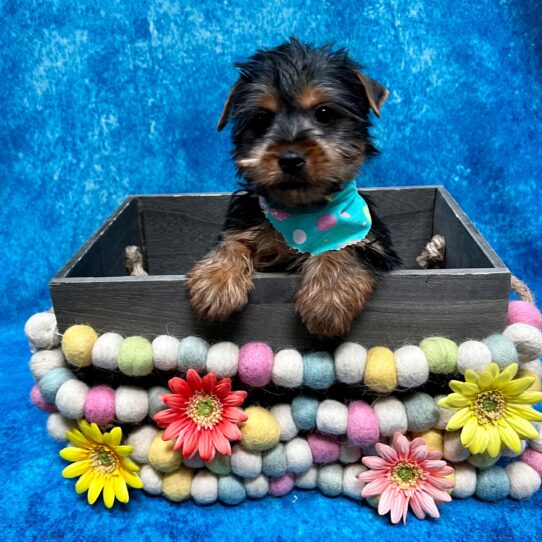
405, 309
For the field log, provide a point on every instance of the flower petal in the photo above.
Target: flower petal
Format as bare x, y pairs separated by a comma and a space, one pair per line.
209, 382
459, 419
73, 454
83, 483
376, 487
96, 486
180, 387
428, 504
121, 491
205, 446
469, 430
115, 436
480, 441
76, 469
385, 451
416, 506
522, 427
528, 398
78, 439
133, 480
386, 500
194, 380
230, 430
399, 507
494, 444
517, 386
375, 462
91, 431
220, 442
464, 388
506, 375
471, 376
401, 445
455, 400
109, 493
509, 436
526, 412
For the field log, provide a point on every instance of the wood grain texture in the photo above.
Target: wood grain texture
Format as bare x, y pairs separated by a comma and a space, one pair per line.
407, 306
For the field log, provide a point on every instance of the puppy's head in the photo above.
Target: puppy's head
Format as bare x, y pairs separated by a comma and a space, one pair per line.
300, 121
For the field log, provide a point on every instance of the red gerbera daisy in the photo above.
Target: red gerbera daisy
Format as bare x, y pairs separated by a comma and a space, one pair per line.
202, 415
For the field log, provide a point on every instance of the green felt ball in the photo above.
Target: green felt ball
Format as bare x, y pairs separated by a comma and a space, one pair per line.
441, 354
135, 356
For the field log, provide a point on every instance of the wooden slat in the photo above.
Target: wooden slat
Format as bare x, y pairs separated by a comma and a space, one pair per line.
407, 307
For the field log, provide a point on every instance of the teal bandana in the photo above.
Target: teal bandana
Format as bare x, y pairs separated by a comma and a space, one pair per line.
344, 220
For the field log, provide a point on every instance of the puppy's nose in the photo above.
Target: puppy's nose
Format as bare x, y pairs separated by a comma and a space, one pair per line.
292, 161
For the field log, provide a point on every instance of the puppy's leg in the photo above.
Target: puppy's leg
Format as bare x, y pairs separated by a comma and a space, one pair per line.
220, 283
334, 290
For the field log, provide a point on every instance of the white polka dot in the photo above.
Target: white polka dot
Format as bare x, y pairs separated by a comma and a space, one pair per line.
299, 237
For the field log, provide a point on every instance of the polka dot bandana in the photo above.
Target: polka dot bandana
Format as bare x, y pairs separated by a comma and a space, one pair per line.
344, 220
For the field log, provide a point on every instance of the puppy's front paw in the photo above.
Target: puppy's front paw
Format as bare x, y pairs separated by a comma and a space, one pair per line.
334, 291
219, 284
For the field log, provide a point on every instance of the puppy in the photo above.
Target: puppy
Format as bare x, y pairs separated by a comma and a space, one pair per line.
300, 124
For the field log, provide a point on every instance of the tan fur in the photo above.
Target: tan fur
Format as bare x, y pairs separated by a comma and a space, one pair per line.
220, 283
334, 290
270, 102
310, 97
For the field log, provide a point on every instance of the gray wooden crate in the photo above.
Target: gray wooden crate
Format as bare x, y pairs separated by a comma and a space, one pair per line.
467, 299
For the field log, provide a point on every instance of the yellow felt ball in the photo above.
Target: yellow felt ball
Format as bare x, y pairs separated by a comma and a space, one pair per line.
380, 370
176, 485
261, 431
162, 456
77, 344
433, 439
535, 386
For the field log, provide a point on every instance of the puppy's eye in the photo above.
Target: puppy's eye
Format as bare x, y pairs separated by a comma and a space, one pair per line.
324, 115
261, 121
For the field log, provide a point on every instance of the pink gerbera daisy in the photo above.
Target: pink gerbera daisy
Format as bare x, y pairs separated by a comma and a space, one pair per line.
407, 473
202, 415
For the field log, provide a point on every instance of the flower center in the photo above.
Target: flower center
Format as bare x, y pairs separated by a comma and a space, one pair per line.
406, 474
489, 406
204, 409
104, 459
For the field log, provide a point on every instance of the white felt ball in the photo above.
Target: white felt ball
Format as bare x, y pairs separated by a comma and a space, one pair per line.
350, 359
165, 352
152, 480
352, 487
140, 439
131, 404
453, 450
330, 479
524, 480
465, 481
536, 444
70, 399
41, 330
332, 417
57, 426
204, 488
349, 453
307, 479
288, 368
411, 365
391, 415
283, 415
245, 464
257, 487
222, 359
473, 355
444, 414
507, 452
44, 361
298, 455
193, 462
105, 351
528, 340
534, 365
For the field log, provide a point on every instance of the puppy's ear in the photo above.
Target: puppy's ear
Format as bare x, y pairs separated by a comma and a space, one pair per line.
376, 93
223, 120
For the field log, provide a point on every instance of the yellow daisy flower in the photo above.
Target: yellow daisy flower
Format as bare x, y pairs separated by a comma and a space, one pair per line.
101, 462
493, 408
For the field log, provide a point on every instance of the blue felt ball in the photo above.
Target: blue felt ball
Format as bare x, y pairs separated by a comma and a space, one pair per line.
274, 462
421, 411
193, 354
304, 412
492, 484
51, 382
503, 350
231, 490
318, 370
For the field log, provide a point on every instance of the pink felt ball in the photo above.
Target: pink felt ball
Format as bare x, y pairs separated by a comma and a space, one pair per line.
523, 312
362, 429
281, 485
326, 222
533, 459
324, 448
38, 400
255, 364
100, 405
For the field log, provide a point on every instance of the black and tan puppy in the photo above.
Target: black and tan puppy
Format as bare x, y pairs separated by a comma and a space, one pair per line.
300, 124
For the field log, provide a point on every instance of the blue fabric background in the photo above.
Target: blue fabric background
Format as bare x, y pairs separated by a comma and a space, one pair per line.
105, 98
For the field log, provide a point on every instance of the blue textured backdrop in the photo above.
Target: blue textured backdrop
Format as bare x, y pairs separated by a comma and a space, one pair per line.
104, 98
